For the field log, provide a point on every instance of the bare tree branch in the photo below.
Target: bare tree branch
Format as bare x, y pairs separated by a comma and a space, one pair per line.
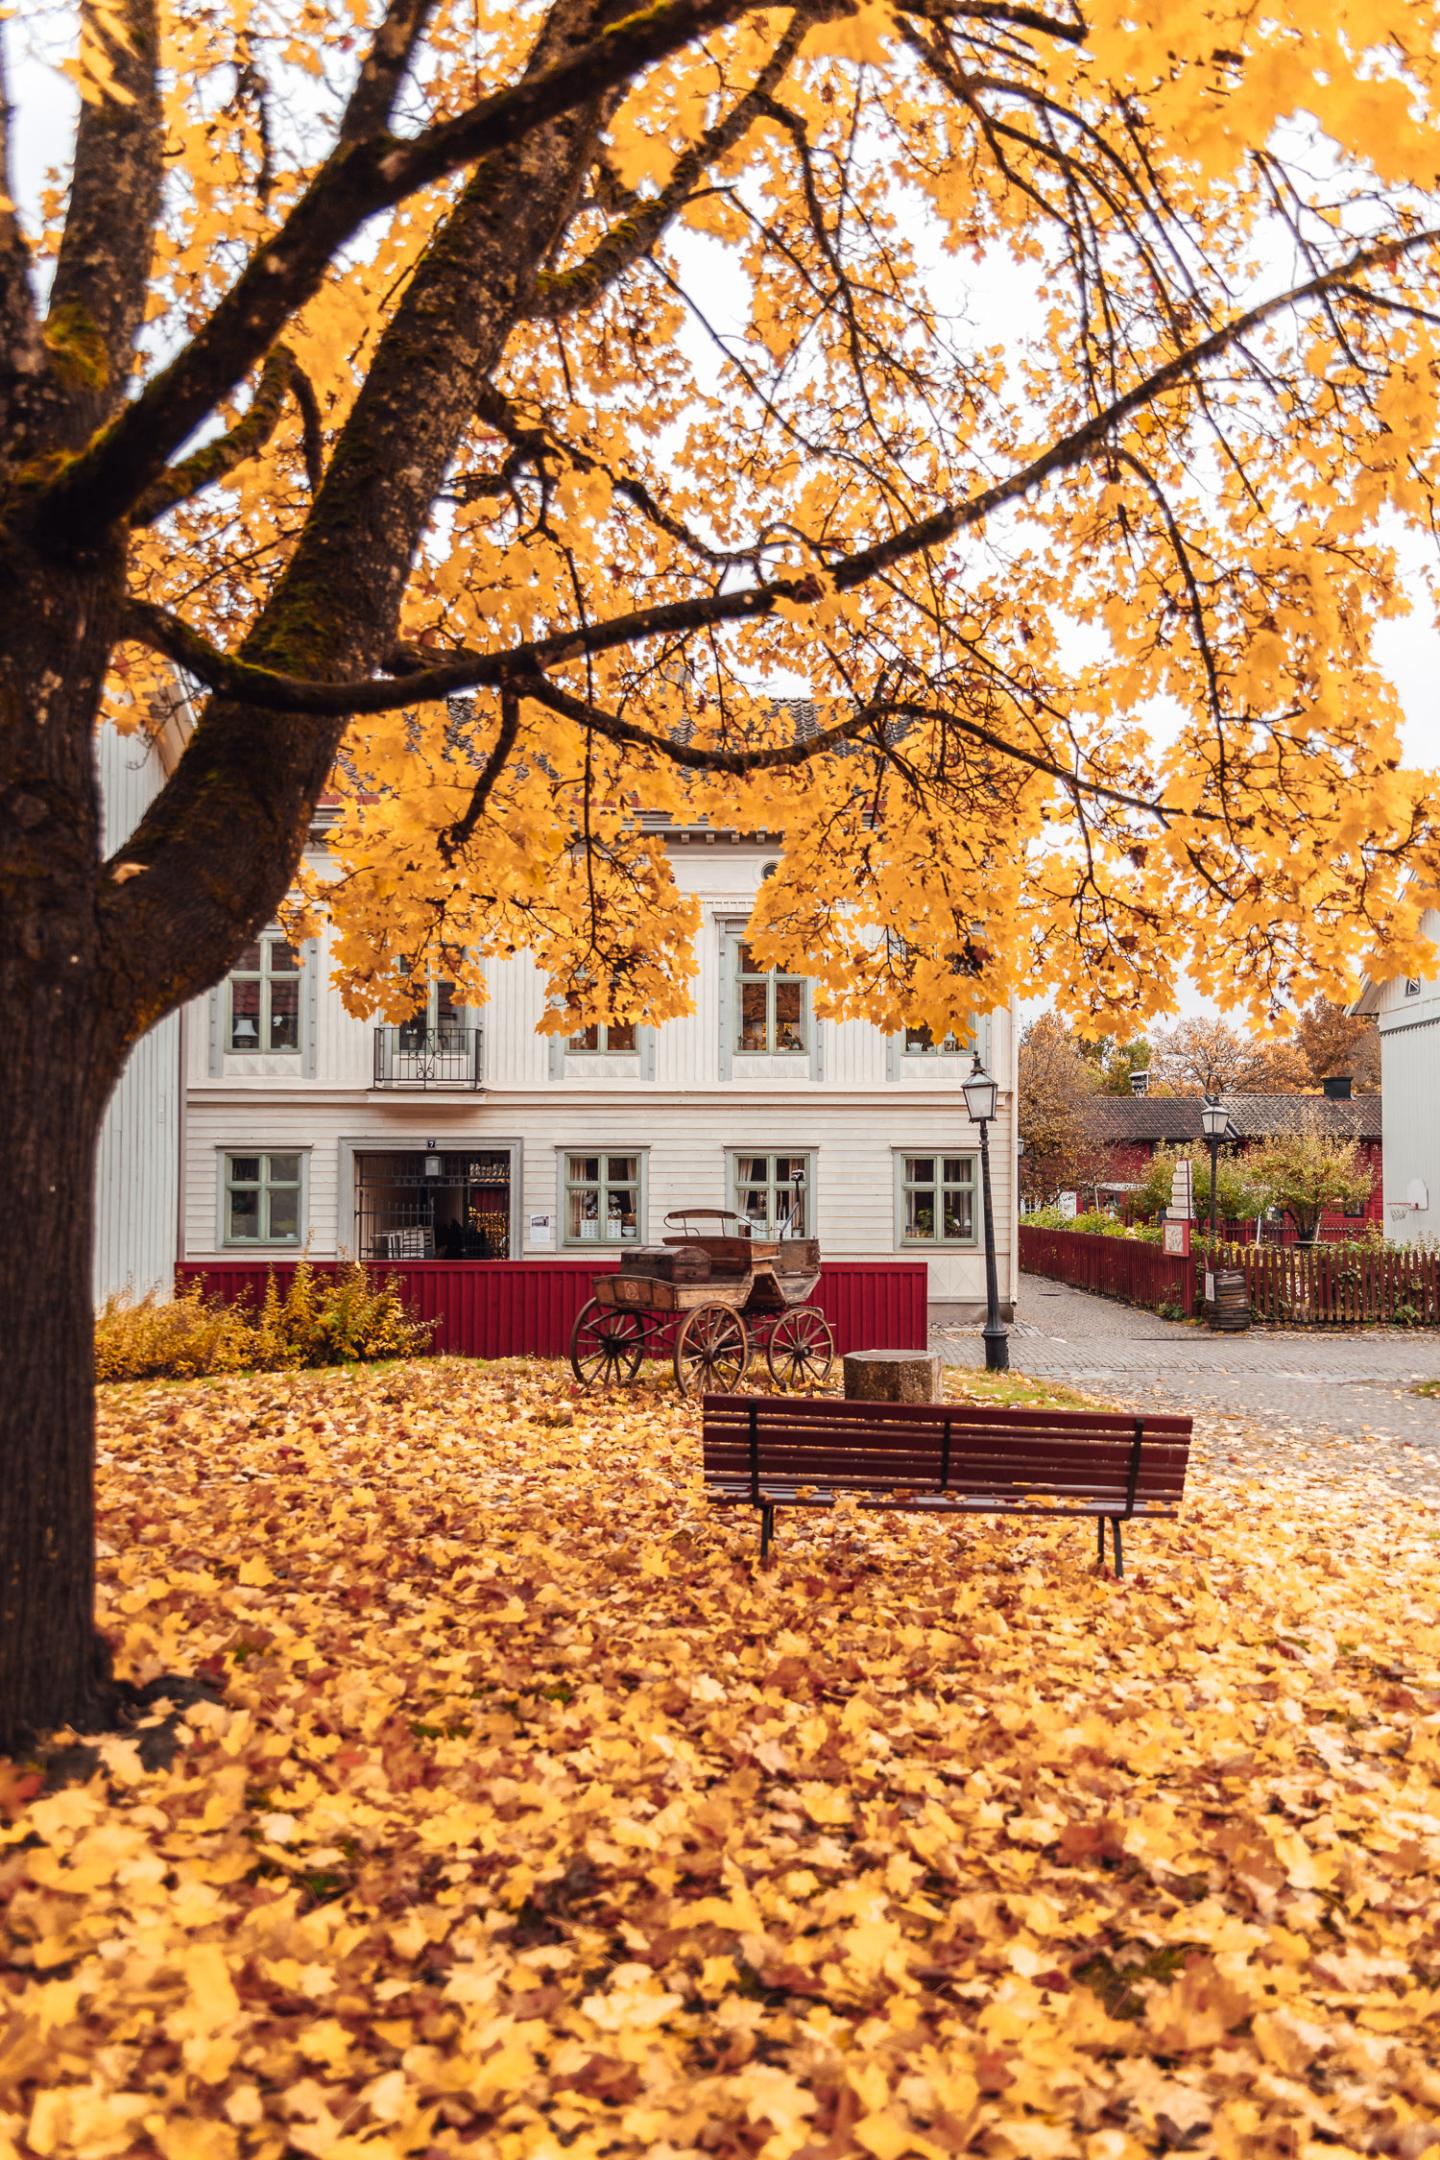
384, 68
282, 372
358, 179
22, 350
97, 300
453, 839
560, 292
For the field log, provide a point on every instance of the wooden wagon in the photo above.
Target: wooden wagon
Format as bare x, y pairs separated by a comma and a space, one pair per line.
709, 1296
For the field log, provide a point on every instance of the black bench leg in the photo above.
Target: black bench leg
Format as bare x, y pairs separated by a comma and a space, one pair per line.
1100, 1548
767, 1532
1119, 1555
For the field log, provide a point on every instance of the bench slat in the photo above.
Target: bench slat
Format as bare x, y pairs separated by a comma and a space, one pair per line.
998, 1419
942, 1458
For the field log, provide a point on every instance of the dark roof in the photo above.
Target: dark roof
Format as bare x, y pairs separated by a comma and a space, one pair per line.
1255, 1117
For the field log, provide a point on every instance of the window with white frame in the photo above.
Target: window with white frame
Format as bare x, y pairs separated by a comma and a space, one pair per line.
603, 1198
610, 1037
438, 1024
920, 1042
1412, 986
938, 1200
263, 1198
771, 1010
774, 1193
264, 997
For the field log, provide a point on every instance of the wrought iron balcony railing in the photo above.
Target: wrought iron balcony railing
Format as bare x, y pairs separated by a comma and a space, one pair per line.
411, 1056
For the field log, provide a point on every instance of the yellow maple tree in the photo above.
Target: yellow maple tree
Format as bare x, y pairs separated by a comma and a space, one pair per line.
849, 420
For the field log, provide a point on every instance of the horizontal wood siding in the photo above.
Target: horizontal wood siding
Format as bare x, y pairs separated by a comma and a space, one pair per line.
527, 1308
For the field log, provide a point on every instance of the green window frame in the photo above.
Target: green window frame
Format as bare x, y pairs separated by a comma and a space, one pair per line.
263, 1197
771, 1016
937, 1198
263, 1005
602, 1196
766, 1191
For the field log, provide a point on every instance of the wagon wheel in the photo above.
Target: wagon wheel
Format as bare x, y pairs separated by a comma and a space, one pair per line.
712, 1350
606, 1345
801, 1348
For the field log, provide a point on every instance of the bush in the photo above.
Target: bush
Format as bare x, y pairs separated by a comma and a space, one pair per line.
318, 1320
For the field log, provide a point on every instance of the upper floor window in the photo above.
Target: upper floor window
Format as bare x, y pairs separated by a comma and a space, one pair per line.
770, 1009
262, 1199
773, 1193
614, 1036
1412, 986
920, 1042
264, 1007
937, 1200
602, 1199
438, 1024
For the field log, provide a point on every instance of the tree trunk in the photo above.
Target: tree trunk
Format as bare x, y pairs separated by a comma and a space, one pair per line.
52, 1667
63, 1050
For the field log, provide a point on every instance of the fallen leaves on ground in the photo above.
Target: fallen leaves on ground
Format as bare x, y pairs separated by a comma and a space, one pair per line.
533, 1821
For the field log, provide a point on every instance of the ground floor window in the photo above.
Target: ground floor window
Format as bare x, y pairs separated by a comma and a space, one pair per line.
937, 1199
433, 1204
263, 1199
775, 1193
602, 1199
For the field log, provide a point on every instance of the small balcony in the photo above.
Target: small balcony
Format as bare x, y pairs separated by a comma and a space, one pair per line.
414, 1056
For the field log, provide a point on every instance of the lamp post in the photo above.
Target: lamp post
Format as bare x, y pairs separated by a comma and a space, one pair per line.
981, 1094
1214, 1122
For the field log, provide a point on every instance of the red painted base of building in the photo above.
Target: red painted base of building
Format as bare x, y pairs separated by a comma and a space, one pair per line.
527, 1308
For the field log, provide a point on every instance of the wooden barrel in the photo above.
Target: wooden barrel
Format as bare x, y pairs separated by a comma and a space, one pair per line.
1230, 1309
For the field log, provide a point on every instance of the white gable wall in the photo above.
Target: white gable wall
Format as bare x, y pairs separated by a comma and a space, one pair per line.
1409, 1023
138, 1171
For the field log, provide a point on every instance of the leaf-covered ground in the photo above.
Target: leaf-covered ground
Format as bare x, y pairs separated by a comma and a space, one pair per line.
532, 1821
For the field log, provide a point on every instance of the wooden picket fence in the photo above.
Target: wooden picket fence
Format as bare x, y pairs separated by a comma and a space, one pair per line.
1336, 1286
1290, 1285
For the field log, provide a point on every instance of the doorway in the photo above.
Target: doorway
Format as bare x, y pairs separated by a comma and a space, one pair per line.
433, 1204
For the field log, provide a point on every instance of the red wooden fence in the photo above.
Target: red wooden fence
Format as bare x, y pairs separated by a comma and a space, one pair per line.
1290, 1285
526, 1308
1328, 1286
1124, 1268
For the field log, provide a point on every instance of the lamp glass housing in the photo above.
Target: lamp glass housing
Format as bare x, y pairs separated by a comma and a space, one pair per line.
1214, 1118
981, 1093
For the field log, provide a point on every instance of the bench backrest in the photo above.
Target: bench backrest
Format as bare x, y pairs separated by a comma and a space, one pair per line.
1013, 1455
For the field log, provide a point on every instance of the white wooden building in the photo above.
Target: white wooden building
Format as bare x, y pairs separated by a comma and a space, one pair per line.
1407, 1013
472, 1134
137, 1176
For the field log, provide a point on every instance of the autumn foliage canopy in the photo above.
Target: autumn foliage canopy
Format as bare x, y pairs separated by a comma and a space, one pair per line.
992, 378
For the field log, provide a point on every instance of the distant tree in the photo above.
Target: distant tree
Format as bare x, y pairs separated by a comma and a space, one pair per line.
1307, 1171
1206, 1057
1114, 1061
1336, 1043
1241, 1195
1056, 1081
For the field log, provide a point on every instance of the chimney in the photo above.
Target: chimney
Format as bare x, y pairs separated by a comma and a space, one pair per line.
1338, 1088
1139, 1083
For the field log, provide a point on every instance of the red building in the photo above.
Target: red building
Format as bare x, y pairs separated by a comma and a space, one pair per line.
1130, 1128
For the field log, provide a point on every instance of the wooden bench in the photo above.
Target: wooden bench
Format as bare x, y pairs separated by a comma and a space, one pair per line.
775, 1451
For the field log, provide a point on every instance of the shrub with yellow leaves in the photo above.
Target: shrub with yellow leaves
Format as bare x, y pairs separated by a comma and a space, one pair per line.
315, 1320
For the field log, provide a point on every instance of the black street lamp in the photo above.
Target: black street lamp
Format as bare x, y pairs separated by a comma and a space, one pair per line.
981, 1095
1215, 1124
